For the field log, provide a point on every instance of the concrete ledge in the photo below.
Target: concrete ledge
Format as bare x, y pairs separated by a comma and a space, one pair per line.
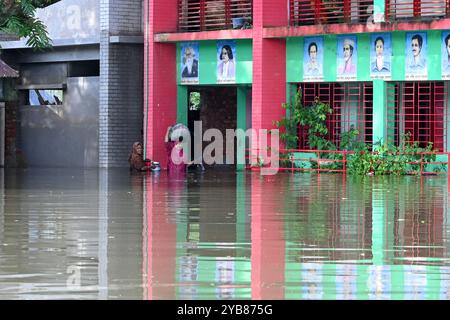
42, 86
21, 44
204, 35
127, 39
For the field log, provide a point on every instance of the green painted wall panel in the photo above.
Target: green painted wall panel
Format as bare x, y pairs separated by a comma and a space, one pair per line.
398, 55
294, 58
182, 102
379, 111
363, 57
244, 67
434, 54
329, 58
241, 124
207, 62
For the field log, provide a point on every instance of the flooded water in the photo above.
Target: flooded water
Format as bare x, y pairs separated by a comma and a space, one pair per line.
106, 234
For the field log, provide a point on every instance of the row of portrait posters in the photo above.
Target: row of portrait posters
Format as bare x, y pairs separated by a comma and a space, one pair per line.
225, 67
416, 67
416, 64
380, 57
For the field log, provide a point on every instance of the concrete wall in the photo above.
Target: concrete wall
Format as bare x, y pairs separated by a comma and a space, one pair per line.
121, 81
72, 19
62, 136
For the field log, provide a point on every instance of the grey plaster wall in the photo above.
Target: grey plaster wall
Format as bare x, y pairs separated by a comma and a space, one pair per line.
66, 135
43, 73
74, 19
121, 82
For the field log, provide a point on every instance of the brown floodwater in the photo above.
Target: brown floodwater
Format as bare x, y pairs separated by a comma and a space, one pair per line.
109, 234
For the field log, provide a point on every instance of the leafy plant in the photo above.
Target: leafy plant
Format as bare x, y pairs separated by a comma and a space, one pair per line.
390, 159
17, 17
312, 117
194, 101
386, 158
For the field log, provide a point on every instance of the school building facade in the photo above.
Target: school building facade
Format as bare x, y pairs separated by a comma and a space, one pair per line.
402, 90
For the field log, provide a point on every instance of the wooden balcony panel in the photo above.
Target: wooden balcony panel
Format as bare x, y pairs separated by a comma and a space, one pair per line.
311, 12
211, 14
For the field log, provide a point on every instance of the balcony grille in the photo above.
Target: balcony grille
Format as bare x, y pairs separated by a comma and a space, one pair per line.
313, 12
410, 9
310, 12
204, 15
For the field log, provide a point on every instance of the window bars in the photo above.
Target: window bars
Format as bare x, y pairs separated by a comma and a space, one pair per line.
203, 15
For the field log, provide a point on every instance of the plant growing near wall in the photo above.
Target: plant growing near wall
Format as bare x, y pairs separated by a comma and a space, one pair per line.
390, 159
386, 158
312, 117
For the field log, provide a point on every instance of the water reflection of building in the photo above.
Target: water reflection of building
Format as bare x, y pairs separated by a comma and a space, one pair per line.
341, 244
49, 226
160, 238
419, 209
192, 237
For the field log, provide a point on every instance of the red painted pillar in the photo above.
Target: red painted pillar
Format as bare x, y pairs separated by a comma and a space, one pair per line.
347, 11
160, 98
417, 8
387, 10
268, 94
317, 11
268, 242
161, 242
269, 64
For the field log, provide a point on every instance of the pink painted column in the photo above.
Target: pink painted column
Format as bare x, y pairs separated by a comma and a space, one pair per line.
268, 94
159, 263
269, 64
268, 243
160, 88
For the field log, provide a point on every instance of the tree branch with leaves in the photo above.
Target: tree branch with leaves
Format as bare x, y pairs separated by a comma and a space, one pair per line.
17, 17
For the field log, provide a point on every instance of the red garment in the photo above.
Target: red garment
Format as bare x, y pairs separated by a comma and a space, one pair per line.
173, 167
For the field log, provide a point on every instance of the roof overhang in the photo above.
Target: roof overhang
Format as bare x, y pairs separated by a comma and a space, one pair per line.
6, 71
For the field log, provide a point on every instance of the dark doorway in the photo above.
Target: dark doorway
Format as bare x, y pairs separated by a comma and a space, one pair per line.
216, 108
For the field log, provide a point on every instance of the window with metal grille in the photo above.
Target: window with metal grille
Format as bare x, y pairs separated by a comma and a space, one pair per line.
202, 15
352, 108
310, 12
407, 9
420, 109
